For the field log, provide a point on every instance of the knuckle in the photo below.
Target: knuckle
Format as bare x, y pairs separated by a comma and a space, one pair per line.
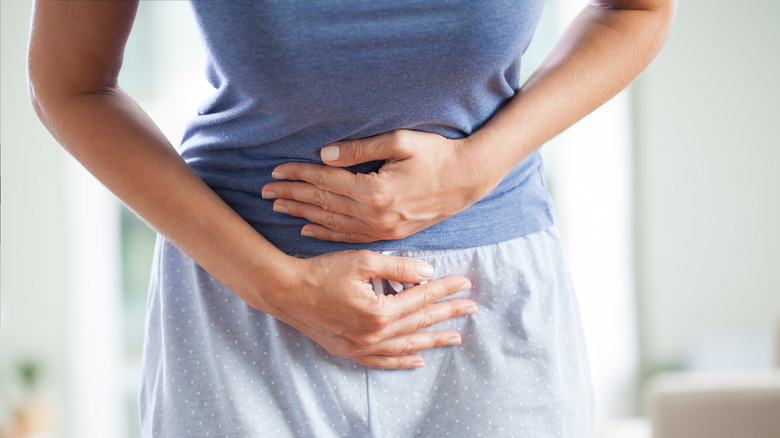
332, 221
348, 350
401, 140
378, 321
378, 362
366, 260
339, 347
409, 346
396, 233
385, 222
403, 268
354, 238
365, 179
367, 339
321, 199
455, 311
357, 151
377, 198
386, 362
398, 136
320, 180
425, 322
429, 295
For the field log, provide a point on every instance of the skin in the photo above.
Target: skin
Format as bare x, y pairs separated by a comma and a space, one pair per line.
75, 55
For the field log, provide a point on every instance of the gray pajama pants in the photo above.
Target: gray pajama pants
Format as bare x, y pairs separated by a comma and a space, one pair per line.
214, 367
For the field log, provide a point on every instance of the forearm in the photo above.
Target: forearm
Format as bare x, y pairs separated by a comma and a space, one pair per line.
600, 53
75, 54
119, 144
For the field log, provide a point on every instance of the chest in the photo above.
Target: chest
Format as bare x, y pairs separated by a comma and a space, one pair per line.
314, 50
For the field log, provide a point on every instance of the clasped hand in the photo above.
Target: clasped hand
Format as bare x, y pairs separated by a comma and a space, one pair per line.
425, 179
335, 306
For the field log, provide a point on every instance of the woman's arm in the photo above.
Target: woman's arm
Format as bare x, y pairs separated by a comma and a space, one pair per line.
605, 48
75, 55
427, 178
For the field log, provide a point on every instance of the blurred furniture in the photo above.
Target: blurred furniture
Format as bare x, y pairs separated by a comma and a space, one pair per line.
624, 427
734, 404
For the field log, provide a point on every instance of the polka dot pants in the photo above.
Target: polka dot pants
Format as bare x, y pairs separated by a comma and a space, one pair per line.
214, 367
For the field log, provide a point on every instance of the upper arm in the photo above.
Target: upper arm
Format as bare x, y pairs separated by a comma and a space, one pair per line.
77, 47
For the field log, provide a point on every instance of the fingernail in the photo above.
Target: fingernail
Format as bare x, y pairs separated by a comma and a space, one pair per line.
464, 286
279, 208
306, 233
424, 269
419, 363
454, 341
330, 153
471, 310
278, 175
267, 194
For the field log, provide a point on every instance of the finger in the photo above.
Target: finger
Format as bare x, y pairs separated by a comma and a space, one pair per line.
430, 316
424, 295
391, 362
404, 269
319, 232
416, 342
400, 352
392, 145
328, 219
329, 179
310, 194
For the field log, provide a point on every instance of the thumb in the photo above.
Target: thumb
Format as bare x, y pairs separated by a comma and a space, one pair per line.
387, 146
402, 269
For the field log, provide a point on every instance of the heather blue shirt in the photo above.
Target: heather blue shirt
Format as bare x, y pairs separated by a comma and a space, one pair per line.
292, 76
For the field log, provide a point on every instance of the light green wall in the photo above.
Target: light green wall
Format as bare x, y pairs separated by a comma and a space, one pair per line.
33, 304
707, 175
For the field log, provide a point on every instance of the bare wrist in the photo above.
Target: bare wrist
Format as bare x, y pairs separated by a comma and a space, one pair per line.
482, 175
268, 279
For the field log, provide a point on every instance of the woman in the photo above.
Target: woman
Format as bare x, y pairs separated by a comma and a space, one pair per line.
284, 281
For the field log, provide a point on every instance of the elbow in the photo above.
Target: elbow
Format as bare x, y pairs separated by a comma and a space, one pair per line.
655, 17
664, 9
670, 12
39, 90
44, 105
35, 98
666, 12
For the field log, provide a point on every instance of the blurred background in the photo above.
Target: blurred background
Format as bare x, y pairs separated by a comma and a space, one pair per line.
668, 200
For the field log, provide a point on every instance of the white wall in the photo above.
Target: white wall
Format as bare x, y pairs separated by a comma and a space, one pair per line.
707, 193
33, 280
707, 178
60, 302
589, 176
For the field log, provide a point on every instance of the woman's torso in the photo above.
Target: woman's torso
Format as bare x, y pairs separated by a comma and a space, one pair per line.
293, 76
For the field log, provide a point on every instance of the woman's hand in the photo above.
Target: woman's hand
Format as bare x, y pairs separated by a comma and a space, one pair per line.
425, 179
75, 55
329, 299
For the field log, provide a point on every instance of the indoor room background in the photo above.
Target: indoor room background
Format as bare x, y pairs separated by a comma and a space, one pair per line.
668, 201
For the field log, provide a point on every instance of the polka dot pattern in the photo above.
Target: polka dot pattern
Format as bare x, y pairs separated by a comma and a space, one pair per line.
213, 366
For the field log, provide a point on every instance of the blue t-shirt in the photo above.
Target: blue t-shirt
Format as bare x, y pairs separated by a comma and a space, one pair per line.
292, 76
